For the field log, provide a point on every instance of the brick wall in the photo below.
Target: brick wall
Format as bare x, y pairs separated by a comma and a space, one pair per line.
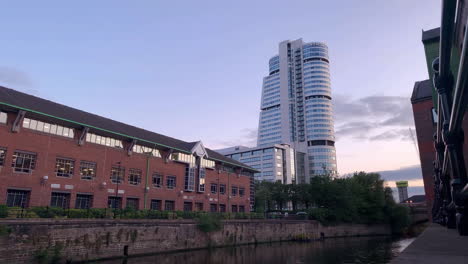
96, 239
49, 147
425, 130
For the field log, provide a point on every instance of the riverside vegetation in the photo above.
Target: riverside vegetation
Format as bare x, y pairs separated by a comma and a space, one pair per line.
360, 198
107, 213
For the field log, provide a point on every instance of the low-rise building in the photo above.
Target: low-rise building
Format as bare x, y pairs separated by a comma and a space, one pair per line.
55, 155
415, 200
425, 119
277, 162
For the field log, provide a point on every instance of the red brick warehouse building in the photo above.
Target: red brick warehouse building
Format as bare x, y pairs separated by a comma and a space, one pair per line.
54, 155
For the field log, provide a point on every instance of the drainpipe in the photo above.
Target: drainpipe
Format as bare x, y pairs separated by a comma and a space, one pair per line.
229, 191
145, 193
219, 188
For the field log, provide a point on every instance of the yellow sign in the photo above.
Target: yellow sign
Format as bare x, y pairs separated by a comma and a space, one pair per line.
402, 183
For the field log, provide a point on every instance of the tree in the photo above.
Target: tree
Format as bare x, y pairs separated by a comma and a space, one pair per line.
303, 193
359, 198
279, 194
293, 191
263, 196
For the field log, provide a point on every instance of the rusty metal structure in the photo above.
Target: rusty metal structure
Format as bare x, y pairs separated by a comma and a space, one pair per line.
451, 189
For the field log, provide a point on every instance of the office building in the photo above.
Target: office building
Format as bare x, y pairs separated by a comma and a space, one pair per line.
276, 163
296, 106
55, 155
402, 187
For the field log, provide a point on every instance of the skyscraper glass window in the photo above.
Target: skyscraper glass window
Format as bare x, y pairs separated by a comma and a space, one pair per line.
296, 107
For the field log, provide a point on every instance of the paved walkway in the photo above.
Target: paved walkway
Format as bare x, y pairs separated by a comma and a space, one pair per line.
436, 244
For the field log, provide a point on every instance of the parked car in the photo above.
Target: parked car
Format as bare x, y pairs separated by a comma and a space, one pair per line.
301, 215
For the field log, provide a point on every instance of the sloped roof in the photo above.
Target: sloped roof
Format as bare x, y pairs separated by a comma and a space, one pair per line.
431, 34
422, 91
35, 105
416, 199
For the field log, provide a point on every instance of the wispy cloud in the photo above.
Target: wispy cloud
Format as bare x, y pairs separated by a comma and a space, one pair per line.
373, 117
401, 134
16, 79
12, 76
354, 129
247, 137
402, 174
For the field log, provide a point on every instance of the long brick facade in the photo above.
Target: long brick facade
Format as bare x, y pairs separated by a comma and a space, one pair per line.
46, 185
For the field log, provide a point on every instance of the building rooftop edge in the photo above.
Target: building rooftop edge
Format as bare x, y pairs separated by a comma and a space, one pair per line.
29, 103
254, 148
419, 198
431, 34
422, 91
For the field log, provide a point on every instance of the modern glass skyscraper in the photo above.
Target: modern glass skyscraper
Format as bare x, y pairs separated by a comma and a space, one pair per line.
296, 106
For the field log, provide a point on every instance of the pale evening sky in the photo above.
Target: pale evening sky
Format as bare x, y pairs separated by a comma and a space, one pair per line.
193, 69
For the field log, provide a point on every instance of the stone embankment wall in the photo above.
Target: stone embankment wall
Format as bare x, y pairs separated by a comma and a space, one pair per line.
23, 241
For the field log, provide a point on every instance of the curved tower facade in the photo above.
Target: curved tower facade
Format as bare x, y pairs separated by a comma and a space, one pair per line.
296, 105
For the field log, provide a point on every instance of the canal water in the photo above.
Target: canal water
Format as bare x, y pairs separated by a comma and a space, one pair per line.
376, 250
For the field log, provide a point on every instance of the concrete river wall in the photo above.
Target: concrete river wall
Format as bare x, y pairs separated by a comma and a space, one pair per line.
26, 241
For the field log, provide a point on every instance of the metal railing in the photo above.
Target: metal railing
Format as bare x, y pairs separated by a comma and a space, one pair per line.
450, 204
113, 213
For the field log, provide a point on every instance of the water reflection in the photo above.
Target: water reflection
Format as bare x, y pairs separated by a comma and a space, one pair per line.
330, 251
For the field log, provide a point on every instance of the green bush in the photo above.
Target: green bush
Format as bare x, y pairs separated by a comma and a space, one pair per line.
171, 215
189, 215
154, 214
44, 256
58, 212
226, 216
399, 218
185, 215
43, 212
320, 214
179, 214
41, 256
5, 230
49, 212
127, 213
253, 215
131, 213
141, 214
100, 212
78, 213
18, 212
209, 223
241, 216
3, 211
